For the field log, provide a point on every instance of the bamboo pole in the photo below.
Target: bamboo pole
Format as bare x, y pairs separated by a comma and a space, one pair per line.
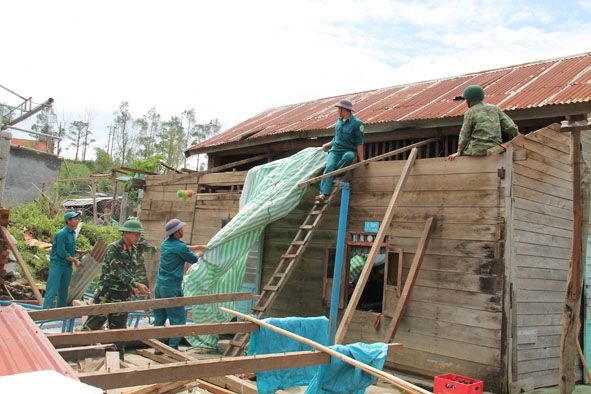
393, 380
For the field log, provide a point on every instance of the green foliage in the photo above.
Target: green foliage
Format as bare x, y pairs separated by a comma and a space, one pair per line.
36, 222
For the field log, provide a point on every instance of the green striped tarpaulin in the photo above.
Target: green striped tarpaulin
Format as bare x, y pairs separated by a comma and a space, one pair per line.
270, 192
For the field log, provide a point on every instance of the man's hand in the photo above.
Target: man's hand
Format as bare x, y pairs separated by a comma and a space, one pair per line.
142, 288
453, 156
78, 264
327, 146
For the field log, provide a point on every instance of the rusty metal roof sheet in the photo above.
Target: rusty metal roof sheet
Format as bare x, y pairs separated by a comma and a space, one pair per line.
24, 347
531, 85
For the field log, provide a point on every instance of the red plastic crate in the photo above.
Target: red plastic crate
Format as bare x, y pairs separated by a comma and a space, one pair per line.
456, 384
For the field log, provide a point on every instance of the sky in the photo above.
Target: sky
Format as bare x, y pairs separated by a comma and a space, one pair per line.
232, 59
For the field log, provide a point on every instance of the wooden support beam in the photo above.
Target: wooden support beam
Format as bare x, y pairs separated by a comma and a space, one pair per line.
139, 305
574, 281
386, 377
362, 163
78, 353
410, 280
375, 250
139, 334
6, 235
201, 369
194, 175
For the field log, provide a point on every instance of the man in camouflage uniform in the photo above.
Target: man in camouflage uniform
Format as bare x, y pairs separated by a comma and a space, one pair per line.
143, 246
119, 278
483, 125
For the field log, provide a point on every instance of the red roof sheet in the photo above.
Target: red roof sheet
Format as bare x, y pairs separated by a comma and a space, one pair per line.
24, 347
532, 85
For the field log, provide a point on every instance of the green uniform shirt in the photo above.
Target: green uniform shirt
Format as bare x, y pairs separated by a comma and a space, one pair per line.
120, 266
482, 127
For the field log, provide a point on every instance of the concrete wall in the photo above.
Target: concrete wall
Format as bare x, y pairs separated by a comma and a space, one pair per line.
25, 171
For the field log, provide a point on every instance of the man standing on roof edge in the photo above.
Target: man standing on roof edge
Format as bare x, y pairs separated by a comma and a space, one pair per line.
482, 126
347, 142
174, 256
63, 255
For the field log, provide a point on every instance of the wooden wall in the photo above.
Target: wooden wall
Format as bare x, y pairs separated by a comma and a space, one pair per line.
203, 212
540, 251
454, 320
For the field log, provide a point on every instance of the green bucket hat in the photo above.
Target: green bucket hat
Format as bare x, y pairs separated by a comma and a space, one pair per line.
132, 226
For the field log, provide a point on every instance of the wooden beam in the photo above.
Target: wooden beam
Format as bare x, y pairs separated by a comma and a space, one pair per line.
77, 353
574, 281
362, 163
410, 280
212, 170
139, 305
375, 250
6, 235
201, 369
79, 338
386, 377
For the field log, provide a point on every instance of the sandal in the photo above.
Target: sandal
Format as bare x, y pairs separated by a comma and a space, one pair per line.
321, 197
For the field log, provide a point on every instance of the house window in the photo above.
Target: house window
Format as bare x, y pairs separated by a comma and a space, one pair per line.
382, 288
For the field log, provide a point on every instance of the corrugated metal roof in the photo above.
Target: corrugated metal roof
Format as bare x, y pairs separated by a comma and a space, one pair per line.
532, 85
24, 347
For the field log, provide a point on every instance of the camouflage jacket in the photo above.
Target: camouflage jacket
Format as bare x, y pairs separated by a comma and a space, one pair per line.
482, 127
120, 267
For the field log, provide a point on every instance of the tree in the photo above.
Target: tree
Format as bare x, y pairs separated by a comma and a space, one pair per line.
172, 137
189, 117
44, 124
76, 133
86, 140
123, 122
149, 128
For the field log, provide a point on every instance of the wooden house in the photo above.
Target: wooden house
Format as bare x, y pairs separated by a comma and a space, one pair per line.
489, 296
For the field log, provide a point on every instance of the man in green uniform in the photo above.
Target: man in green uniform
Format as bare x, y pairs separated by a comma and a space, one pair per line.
174, 256
346, 144
483, 125
119, 279
63, 255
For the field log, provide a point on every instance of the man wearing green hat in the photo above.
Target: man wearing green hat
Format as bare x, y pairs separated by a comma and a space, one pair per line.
483, 125
62, 256
119, 279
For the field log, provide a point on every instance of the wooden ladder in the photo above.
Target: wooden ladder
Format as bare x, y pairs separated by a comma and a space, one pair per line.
283, 271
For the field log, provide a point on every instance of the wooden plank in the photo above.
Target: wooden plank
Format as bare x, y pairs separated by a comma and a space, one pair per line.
112, 364
451, 314
558, 188
201, 369
144, 333
476, 181
410, 147
547, 201
129, 306
8, 238
466, 215
434, 198
384, 226
234, 383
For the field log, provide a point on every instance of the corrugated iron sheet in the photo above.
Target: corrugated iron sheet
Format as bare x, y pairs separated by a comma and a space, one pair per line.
24, 347
532, 85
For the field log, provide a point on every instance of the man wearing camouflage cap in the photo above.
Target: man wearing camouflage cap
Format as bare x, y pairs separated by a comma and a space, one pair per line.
119, 279
482, 126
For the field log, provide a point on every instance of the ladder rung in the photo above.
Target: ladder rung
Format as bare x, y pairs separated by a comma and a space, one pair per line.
289, 256
307, 227
297, 243
270, 288
237, 343
259, 308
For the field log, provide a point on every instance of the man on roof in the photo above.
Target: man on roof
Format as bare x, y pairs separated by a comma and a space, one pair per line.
482, 126
345, 145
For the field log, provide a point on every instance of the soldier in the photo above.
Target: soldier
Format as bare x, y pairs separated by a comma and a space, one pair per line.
119, 278
483, 125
